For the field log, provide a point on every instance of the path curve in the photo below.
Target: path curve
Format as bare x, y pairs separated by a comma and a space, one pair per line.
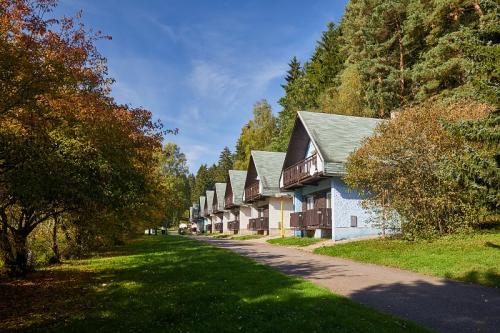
440, 304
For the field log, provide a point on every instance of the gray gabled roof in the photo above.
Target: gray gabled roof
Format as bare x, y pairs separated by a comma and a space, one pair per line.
220, 189
268, 165
336, 136
202, 204
210, 201
237, 179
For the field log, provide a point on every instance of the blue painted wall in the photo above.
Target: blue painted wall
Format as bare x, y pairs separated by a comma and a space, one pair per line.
347, 203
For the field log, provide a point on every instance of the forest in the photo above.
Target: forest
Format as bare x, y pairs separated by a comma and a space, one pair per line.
434, 66
80, 171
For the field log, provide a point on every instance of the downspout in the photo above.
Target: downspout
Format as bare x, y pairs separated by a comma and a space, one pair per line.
282, 224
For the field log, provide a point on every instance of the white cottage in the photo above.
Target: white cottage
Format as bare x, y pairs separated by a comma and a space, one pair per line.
313, 168
233, 203
269, 205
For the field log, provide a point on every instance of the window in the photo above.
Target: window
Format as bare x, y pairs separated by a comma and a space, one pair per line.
354, 221
310, 149
329, 200
310, 202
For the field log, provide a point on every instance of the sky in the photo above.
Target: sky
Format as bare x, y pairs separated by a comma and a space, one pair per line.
200, 66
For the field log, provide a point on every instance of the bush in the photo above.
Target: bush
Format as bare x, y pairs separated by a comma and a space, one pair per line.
404, 169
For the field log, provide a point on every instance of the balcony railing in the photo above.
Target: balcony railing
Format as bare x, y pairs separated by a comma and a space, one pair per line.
258, 224
233, 225
320, 218
252, 191
218, 227
300, 171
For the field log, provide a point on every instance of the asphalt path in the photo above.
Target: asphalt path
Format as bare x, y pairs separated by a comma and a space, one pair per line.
440, 304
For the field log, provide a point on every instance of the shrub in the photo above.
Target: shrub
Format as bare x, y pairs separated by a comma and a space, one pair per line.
404, 168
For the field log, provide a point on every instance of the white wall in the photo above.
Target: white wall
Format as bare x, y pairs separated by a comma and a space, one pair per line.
275, 212
226, 218
245, 215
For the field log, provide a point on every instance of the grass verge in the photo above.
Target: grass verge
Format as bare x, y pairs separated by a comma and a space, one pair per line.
471, 258
176, 284
247, 237
295, 241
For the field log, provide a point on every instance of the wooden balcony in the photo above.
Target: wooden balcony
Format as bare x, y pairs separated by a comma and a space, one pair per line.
300, 172
233, 225
218, 227
252, 192
318, 218
258, 224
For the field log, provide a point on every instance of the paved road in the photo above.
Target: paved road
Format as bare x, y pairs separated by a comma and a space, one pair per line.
440, 304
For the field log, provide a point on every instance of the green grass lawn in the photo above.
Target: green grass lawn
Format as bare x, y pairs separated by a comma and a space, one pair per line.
472, 258
221, 235
176, 284
295, 241
247, 237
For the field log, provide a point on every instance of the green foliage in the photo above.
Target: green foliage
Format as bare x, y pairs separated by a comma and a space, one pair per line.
247, 237
295, 241
401, 168
477, 167
411, 50
176, 191
348, 98
256, 134
202, 183
472, 257
65, 145
304, 86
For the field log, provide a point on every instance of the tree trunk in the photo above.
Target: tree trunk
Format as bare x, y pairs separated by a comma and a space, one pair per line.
15, 254
401, 62
477, 8
13, 249
56, 257
381, 99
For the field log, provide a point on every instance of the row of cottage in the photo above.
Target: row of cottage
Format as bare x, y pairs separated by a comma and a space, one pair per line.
300, 192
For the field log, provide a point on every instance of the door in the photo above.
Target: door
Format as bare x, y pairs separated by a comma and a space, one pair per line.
310, 202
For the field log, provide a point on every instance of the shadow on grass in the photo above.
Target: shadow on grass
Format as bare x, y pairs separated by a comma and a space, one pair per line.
173, 284
493, 245
44, 296
448, 306
489, 277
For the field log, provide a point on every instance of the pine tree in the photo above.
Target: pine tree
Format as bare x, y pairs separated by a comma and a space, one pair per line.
294, 72
376, 43
226, 161
305, 87
478, 169
201, 182
462, 51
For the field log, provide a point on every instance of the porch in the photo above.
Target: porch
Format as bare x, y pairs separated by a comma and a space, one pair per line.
258, 224
233, 225
317, 218
218, 227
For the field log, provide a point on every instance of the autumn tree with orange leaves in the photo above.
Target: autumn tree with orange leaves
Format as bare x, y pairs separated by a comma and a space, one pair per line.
66, 147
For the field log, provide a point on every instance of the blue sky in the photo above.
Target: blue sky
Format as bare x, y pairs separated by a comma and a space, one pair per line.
201, 65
